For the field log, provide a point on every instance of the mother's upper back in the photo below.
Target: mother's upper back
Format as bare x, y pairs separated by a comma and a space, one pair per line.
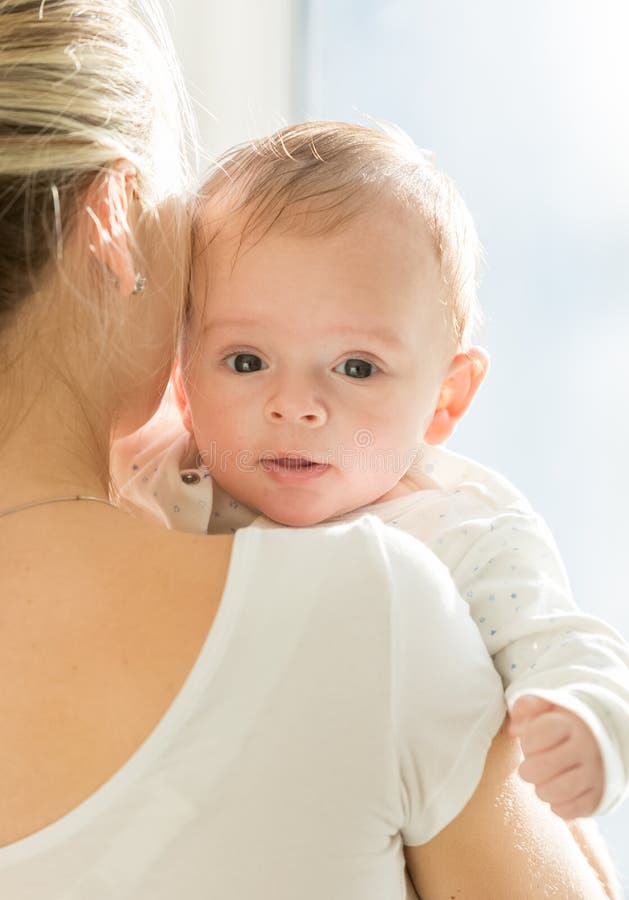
320, 725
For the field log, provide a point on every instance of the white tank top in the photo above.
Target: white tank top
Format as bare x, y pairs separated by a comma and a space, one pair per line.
342, 705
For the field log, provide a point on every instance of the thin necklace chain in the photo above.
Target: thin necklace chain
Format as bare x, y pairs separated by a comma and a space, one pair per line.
73, 498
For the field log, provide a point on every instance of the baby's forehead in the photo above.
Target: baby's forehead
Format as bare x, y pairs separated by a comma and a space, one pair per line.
219, 293
225, 230
225, 227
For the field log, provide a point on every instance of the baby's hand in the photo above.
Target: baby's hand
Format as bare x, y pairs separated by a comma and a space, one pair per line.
561, 757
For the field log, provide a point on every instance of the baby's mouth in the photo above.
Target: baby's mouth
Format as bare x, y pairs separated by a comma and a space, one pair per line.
292, 464
289, 463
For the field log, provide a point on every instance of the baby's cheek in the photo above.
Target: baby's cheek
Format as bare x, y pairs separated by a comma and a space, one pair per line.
211, 416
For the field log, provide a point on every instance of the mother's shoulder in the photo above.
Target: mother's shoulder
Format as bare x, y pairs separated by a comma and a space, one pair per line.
365, 545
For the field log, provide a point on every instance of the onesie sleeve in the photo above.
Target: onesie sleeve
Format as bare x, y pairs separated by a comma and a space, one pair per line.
447, 701
541, 643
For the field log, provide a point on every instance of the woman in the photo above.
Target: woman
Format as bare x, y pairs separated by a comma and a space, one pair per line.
187, 716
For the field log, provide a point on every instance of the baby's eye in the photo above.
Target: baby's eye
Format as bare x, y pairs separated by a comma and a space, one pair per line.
245, 362
357, 368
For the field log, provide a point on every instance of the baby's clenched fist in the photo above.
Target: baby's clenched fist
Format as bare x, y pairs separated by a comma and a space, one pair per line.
561, 757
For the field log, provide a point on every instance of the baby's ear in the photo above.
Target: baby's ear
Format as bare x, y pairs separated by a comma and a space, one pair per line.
465, 375
181, 398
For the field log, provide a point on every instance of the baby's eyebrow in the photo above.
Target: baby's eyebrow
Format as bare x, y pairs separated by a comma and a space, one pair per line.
349, 333
378, 334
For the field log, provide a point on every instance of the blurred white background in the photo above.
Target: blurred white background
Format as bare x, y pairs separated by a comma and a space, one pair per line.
526, 107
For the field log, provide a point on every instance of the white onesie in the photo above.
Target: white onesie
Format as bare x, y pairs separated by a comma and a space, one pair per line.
500, 554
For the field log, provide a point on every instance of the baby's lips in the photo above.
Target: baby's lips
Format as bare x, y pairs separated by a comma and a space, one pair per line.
290, 459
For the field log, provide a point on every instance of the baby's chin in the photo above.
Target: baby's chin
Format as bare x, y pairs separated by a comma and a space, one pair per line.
295, 518
302, 512
305, 515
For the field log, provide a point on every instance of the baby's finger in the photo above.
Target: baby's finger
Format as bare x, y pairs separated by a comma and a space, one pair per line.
526, 708
542, 767
578, 808
545, 732
564, 788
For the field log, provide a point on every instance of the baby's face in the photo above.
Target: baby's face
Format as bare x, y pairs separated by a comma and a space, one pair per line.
315, 363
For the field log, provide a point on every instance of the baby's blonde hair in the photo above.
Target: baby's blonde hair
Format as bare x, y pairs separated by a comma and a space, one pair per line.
316, 176
82, 84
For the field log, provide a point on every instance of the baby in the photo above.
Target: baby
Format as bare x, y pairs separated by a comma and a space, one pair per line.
326, 357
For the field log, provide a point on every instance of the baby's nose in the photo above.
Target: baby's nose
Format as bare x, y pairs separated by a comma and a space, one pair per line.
291, 409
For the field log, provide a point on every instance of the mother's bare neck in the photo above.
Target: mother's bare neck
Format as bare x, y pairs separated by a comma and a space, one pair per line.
49, 442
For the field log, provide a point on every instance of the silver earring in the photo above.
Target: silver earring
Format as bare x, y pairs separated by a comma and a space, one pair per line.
140, 284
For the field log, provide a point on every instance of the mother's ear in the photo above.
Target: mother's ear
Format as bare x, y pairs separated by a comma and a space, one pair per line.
466, 374
107, 204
